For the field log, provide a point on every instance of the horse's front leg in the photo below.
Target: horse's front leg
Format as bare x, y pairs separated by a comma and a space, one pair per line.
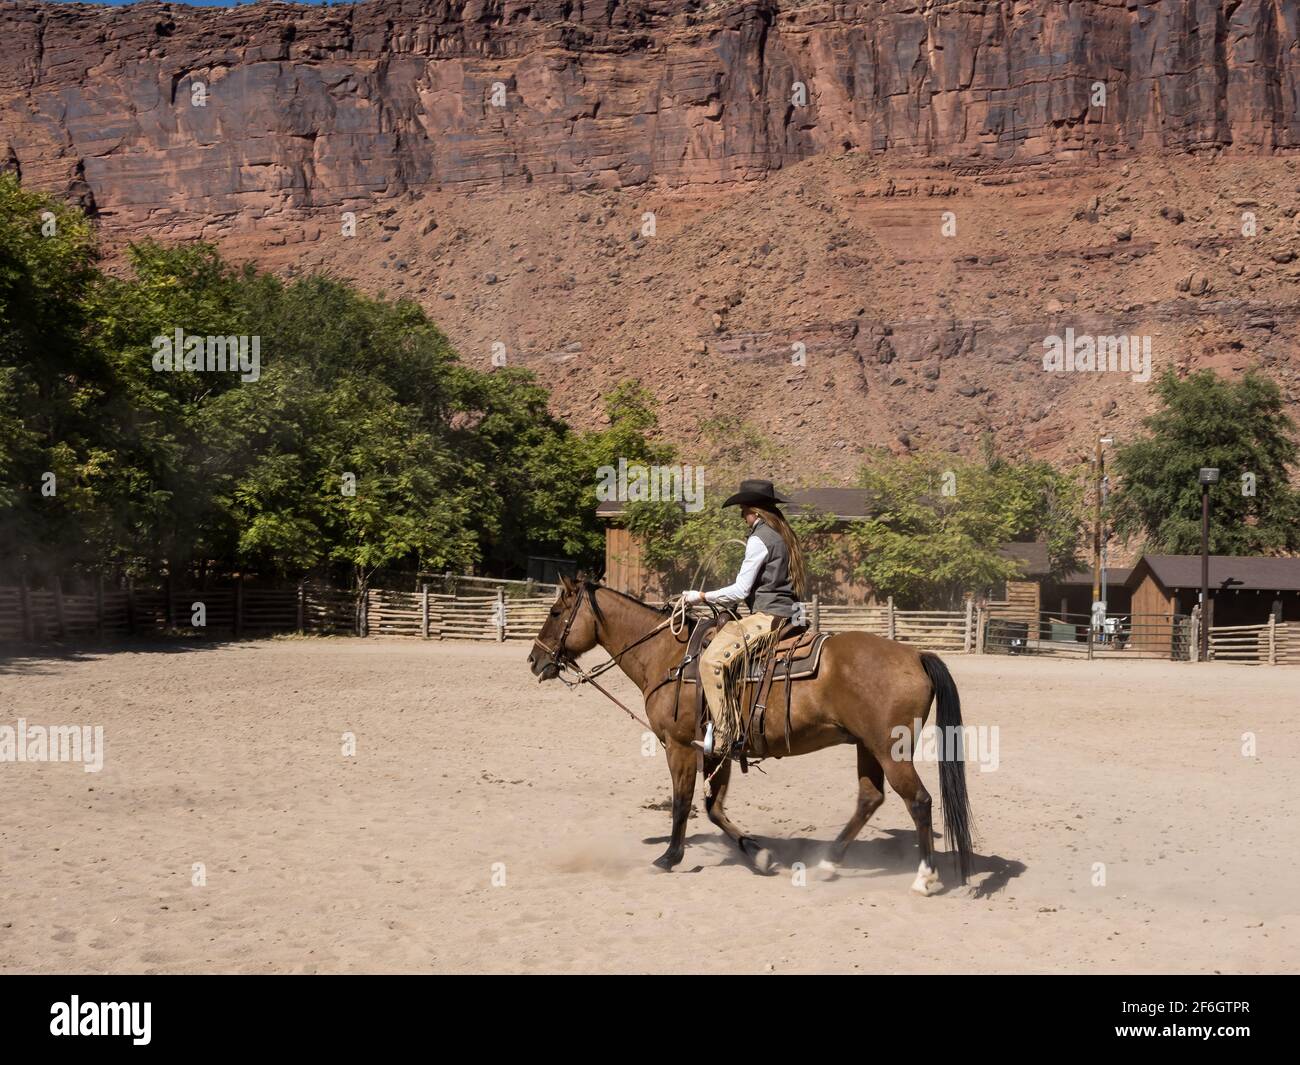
681, 764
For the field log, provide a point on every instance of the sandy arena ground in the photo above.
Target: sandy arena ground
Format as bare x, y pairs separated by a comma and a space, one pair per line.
315, 862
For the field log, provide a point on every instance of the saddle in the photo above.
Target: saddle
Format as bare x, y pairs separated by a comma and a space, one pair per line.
792, 658
795, 657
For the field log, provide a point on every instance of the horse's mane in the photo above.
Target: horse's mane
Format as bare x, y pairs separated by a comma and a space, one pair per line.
594, 586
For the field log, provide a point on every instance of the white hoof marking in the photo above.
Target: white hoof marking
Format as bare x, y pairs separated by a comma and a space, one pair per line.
927, 880
826, 870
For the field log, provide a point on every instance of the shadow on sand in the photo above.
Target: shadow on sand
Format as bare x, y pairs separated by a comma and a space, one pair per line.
34, 659
891, 852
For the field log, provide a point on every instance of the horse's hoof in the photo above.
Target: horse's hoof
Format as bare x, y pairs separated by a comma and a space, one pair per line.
826, 870
666, 861
927, 880
762, 861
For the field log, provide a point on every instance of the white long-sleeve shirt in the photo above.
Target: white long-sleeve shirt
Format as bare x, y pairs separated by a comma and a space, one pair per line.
738, 591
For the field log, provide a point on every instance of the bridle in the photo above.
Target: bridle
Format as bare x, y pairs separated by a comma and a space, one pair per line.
564, 662
560, 657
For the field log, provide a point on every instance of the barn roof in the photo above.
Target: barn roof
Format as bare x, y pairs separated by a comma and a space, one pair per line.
1035, 564
1032, 557
1115, 575
1247, 572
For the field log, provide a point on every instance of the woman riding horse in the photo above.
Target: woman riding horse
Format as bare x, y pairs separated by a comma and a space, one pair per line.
867, 691
770, 582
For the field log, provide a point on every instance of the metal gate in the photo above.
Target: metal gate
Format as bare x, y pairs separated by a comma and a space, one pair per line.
1166, 637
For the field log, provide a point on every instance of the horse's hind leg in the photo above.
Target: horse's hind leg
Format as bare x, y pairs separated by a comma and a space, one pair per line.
714, 794
871, 784
681, 764
904, 780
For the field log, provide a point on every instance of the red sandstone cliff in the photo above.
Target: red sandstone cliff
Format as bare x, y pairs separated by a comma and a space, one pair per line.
779, 222
311, 106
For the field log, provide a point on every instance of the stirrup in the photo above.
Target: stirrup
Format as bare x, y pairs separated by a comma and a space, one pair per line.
705, 746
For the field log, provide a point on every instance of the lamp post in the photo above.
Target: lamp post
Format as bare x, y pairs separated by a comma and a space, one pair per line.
1098, 598
1105, 543
1209, 475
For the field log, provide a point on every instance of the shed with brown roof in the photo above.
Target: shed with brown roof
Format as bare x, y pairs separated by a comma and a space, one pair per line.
1244, 589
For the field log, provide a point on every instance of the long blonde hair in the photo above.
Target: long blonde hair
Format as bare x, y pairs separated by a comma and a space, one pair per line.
798, 573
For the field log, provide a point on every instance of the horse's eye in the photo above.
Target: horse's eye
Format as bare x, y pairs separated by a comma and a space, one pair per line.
555, 613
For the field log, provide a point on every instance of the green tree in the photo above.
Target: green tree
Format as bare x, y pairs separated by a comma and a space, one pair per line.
176, 448
537, 493
937, 523
629, 436
362, 444
348, 449
1239, 427
51, 394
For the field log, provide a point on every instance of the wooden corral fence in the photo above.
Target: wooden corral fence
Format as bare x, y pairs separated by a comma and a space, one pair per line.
234, 610
238, 609
501, 617
481, 612
1275, 643
435, 616
935, 630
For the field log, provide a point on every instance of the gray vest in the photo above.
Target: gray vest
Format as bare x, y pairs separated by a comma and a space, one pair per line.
773, 593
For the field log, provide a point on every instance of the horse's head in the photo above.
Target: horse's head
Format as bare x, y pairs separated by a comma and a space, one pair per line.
569, 629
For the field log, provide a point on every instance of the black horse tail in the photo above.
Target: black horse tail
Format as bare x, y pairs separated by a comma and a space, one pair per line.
952, 764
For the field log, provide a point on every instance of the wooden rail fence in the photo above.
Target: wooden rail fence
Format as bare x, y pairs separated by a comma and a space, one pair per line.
238, 610
1274, 643
476, 616
241, 610
935, 630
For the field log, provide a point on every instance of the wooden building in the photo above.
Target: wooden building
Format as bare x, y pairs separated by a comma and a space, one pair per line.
1038, 591
624, 569
1072, 593
1020, 599
1244, 589
1156, 596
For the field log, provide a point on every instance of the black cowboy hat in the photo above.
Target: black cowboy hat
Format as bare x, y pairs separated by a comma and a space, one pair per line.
755, 494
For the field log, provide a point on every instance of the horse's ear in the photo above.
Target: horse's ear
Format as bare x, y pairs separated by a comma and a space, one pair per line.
567, 584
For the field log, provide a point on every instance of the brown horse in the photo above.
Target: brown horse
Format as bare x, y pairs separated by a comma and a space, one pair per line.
868, 691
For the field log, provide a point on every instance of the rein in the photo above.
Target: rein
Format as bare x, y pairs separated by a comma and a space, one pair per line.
620, 705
